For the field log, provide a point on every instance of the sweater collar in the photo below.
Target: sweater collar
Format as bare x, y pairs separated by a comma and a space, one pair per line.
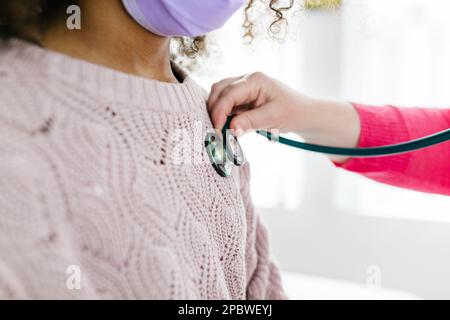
100, 81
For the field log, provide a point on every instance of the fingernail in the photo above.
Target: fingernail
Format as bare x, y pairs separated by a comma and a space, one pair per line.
238, 132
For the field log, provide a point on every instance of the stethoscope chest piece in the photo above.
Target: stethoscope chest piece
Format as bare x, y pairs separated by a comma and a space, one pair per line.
224, 155
216, 152
234, 150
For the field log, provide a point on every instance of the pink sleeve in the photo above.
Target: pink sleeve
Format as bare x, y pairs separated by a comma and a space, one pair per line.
426, 170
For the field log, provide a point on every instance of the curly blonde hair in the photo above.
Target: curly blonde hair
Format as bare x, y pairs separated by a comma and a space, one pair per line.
192, 47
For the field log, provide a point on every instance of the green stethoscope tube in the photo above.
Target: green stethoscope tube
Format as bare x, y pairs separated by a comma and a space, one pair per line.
388, 150
394, 149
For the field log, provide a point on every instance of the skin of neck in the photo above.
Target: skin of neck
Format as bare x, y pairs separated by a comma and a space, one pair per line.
110, 37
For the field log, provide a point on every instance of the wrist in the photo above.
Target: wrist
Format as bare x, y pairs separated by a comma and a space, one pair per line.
310, 119
331, 123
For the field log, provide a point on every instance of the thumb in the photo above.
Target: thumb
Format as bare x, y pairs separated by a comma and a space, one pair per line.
254, 119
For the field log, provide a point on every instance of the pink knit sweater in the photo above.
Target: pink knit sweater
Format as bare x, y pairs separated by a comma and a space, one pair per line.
426, 170
102, 194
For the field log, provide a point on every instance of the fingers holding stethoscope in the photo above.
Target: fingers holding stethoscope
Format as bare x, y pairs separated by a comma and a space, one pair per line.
217, 89
247, 98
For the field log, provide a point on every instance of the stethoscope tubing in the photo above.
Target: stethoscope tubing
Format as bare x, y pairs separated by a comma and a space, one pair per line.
224, 154
381, 151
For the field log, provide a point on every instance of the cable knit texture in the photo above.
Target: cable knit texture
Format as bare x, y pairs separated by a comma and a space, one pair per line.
95, 177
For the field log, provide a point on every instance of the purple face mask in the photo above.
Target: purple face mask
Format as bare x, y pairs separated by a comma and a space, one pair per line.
189, 18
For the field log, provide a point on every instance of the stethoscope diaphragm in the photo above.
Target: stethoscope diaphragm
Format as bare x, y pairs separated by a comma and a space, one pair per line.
224, 151
217, 154
234, 150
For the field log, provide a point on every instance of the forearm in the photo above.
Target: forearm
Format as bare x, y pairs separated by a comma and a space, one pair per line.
350, 125
272, 105
330, 123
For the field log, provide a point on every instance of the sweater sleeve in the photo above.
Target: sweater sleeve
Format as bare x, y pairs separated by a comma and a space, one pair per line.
37, 259
263, 276
424, 170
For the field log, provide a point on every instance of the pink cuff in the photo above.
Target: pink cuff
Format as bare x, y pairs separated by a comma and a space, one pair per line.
380, 126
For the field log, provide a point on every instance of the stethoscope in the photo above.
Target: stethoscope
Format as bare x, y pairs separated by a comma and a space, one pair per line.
224, 149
